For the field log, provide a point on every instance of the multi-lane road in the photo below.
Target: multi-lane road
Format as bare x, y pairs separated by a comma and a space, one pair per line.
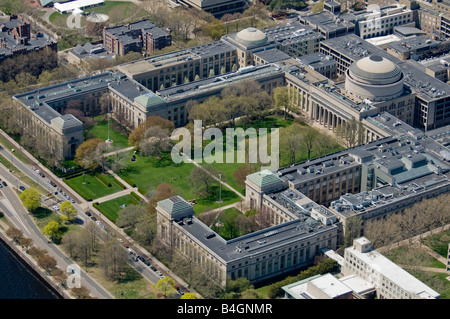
11, 205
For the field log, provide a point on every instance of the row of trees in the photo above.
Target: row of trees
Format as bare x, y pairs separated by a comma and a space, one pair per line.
46, 262
415, 220
244, 99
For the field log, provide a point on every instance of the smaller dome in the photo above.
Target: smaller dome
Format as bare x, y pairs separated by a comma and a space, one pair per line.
251, 36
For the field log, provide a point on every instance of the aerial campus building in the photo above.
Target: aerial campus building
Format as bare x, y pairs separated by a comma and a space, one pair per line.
142, 36
367, 274
306, 207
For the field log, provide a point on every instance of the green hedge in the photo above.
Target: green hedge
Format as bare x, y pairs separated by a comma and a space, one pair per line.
103, 179
118, 183
129, 182
136, 196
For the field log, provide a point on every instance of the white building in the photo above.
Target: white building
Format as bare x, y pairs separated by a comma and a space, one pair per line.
76, 6
380, 21
391, 281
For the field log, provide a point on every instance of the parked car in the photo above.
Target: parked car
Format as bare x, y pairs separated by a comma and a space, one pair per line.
146, 262
4, 183
22, 188
93, 218
88, 213
42, 175
153, 268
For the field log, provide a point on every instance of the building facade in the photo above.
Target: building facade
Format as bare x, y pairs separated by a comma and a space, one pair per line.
390, 281
143, 37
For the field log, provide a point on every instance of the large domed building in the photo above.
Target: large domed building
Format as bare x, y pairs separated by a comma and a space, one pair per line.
251, 37
374, 78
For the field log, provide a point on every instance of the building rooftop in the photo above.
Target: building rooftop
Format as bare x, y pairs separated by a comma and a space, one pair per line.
326, 21
425, 86
393, 273
216, 83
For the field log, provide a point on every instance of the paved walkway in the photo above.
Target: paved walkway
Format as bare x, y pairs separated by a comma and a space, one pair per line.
416, 242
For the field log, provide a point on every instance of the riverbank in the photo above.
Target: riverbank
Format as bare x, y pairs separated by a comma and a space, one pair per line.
32, 266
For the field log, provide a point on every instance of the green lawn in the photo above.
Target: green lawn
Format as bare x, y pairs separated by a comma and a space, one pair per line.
439, 242
148, 172
272, 121
112, 207
119, 11
100, 130
93, 188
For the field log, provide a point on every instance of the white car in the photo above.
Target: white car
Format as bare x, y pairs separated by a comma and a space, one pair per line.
55, 207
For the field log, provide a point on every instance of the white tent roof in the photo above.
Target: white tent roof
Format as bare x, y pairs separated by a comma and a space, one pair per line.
74, 5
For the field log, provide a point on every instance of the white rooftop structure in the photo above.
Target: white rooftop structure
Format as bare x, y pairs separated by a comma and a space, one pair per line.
381, 272
319, 287
76, 5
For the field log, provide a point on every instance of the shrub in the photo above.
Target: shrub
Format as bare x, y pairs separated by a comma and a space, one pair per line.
102, 178
118, 183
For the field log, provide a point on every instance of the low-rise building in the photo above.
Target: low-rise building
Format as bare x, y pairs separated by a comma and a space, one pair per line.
328, 24
143, 36
390, 281
258, 256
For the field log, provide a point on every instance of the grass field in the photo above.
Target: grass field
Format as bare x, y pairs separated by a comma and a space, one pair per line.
112, 207
100, 130
93, 187
148, 172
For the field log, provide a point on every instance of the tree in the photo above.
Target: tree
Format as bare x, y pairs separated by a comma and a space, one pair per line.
48, 263
26, 242
60, 276
291, 141
352, 230
86, 154
308, 137
189, 295
68, 210
129, 216
113, 259
15, 234
80, 293
70, 242
156, 141
167, 286
52, 229
138, 134
351, 133
201, 179
282, 99
240, 175
31, 199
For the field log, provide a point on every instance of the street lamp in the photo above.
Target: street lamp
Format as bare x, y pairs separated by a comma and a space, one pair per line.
12, 151
220, 193
109, 120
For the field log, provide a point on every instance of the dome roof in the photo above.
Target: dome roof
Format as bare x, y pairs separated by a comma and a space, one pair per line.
251, 36
375, 69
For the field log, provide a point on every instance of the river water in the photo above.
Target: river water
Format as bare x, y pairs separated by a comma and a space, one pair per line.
19, 282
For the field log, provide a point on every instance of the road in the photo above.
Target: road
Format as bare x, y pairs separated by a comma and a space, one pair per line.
80, 205
12, 207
